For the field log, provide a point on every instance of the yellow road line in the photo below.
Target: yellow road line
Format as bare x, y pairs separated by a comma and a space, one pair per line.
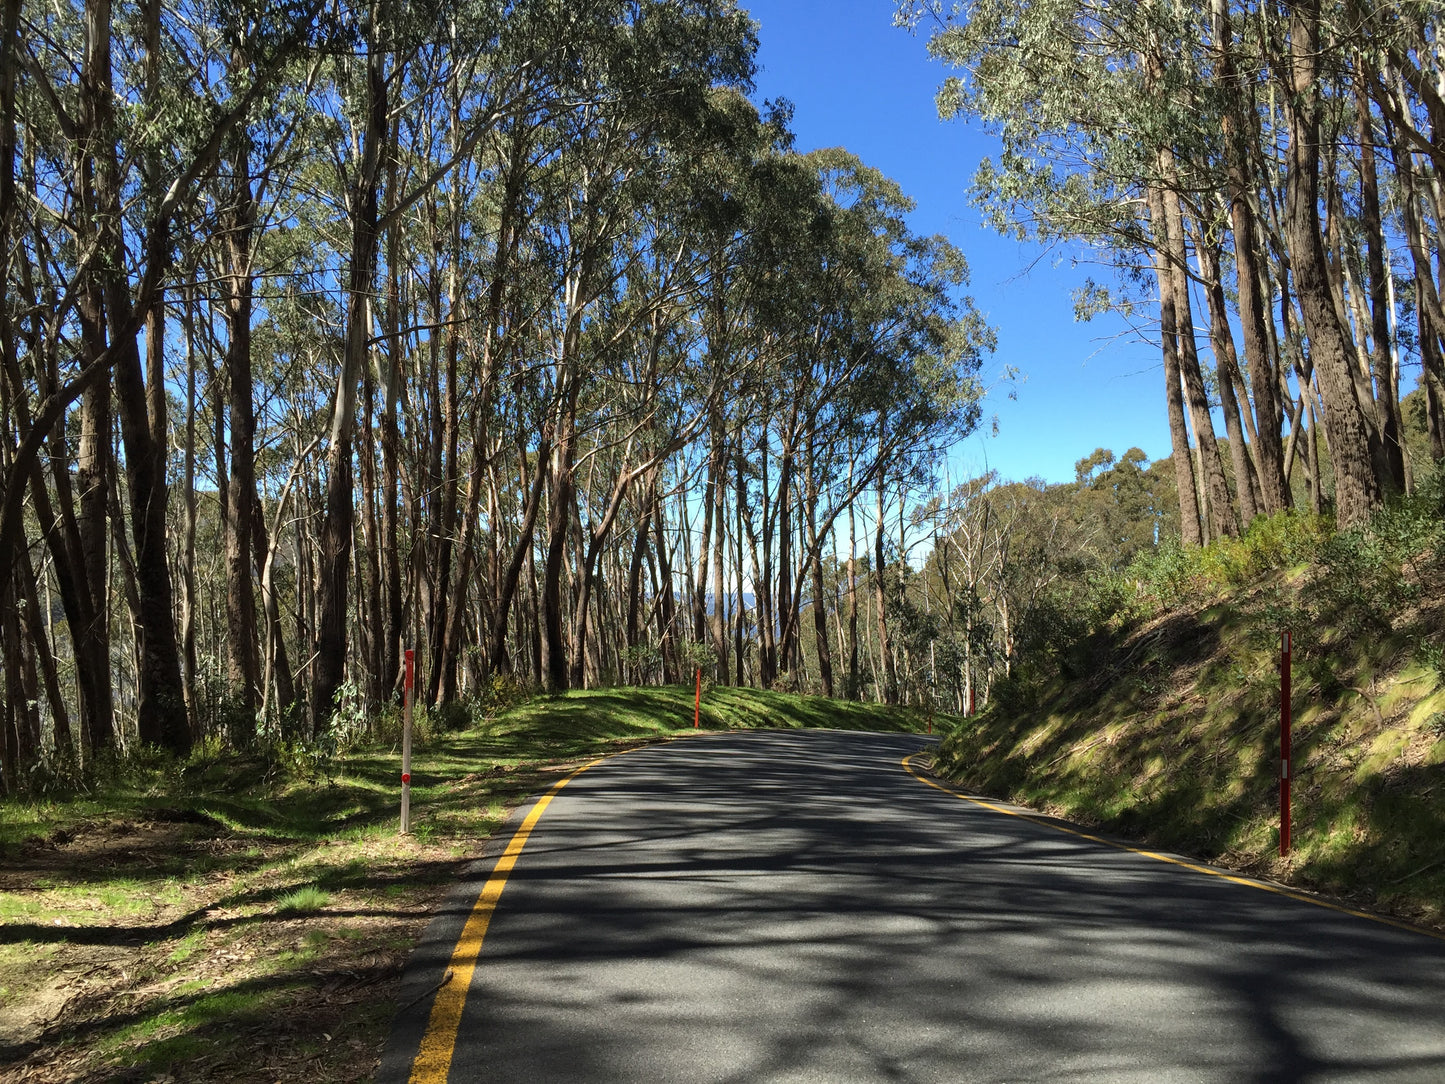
994, 807
434, 1058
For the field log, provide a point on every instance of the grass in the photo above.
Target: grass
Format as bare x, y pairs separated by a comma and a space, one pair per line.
1168, 732
231, 920
303, 901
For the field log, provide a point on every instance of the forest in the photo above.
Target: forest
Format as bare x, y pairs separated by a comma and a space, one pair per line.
517, 335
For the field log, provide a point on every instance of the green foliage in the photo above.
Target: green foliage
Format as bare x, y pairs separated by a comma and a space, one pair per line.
500, 693
1156, 720
388, 723
304, 900
698, 657
642, 664
1171, 574
1273, 542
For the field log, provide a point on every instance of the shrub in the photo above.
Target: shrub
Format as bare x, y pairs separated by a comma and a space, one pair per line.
498, 693
387, 725
1164, 573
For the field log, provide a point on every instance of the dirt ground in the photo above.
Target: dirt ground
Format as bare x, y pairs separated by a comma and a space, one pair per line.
176, 950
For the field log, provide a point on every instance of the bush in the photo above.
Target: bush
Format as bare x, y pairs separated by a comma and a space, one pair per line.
450, 718
388, 723
1272, 542
498, 693
695, 655
1165, 573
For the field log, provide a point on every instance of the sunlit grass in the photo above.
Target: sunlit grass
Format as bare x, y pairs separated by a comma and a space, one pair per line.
225, 880
303, 900
1172, 738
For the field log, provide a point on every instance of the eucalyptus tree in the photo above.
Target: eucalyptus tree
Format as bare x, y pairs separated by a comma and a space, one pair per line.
878, 369
1083, 103
652, 67
495, 50
121, 122
1261, 123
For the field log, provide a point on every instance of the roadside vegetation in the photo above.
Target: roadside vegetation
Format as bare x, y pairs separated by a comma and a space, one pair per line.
234, 917
1147, 704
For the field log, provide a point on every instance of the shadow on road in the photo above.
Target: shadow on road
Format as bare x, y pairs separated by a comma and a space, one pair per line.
794, 906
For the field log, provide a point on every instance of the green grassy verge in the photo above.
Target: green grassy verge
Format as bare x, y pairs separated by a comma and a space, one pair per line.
1167, 731
241, 918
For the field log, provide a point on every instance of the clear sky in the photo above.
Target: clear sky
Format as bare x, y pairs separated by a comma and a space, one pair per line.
857, 82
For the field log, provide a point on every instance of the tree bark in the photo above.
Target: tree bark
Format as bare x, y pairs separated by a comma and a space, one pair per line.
329, 649
1253, 304
244, 667
1357, 489
1190, 528
1222, 520
889, 691
1387, 395
1222, 341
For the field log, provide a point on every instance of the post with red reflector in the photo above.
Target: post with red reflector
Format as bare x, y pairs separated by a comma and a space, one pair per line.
1284, 745
697, 702
406, 698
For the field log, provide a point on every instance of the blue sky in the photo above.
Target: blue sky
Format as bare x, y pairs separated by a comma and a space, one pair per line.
859, 83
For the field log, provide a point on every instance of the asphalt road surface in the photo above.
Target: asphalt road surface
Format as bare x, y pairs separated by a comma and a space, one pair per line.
799, 907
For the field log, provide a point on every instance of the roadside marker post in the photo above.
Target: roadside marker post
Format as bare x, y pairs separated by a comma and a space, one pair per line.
697, 702
406, 742
1284, 744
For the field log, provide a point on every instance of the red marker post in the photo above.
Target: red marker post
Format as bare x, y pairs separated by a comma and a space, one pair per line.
697, 702
1284, 744
406, 742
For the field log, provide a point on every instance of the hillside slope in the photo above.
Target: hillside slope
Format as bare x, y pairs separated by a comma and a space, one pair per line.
1165, 727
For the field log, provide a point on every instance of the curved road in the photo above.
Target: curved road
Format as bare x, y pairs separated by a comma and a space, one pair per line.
797, 906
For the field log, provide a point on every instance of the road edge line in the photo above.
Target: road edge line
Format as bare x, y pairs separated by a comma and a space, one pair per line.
1264, 886
433, 1060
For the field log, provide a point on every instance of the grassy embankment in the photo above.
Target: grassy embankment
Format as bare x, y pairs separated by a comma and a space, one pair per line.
246, 919
1163, 724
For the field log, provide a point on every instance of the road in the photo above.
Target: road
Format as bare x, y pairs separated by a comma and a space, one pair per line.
797, 906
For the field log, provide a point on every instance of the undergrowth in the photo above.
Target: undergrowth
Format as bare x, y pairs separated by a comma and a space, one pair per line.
1148, 703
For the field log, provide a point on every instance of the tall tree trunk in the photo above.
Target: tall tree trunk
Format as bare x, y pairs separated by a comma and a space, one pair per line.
667, 610
709, 503
763, 577
507, 588
329, 650
787, 620
815, 560
559, 522
1264, 377
369, 602
740, 498
189, 599
1190, 527
635, 563
395, 612
1222, 341
885, 642
854, 690
1222, 520
1357, 489
244, 668
161, 711
719, 587
1387, 393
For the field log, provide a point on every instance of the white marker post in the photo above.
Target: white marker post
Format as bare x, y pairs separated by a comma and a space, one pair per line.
406, 744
